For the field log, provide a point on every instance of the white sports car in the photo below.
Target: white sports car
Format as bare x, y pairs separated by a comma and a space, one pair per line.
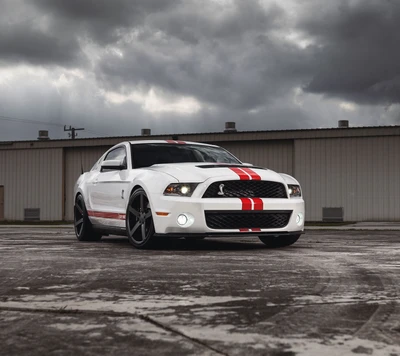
153, 189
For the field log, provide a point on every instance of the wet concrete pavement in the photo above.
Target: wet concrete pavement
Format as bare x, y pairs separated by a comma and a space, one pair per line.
332, 293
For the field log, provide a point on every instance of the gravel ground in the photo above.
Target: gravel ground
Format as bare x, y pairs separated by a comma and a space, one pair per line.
332, 293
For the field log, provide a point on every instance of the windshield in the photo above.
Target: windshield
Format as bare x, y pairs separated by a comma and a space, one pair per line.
145, 155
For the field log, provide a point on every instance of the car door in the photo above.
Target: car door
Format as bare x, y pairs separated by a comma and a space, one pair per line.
109, 189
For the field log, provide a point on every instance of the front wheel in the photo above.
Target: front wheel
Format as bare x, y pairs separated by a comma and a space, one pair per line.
139, 220
279, 241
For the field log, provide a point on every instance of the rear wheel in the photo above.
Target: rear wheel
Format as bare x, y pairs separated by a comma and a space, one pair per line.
139, 220
83, 227
279, 241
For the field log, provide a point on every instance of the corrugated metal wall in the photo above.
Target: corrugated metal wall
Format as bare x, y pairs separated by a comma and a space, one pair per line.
32, 179
75, 158
1, 203
275, 155
361, 175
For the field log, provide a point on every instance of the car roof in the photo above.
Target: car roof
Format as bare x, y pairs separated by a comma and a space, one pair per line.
177, 142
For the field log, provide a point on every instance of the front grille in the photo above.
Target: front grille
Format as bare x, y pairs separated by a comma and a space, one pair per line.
247, 220
246, 189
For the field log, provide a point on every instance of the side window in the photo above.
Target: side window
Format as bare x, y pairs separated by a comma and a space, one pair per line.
119, 154
96, 166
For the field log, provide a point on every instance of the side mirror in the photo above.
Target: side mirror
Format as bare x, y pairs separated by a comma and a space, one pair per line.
248, 164
113, 165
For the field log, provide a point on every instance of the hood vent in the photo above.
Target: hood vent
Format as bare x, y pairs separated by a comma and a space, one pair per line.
230, 166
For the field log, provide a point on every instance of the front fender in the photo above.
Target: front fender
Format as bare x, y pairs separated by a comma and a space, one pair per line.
153, 183
79, 187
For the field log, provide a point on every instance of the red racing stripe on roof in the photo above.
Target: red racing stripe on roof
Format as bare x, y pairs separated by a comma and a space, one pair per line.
176, 142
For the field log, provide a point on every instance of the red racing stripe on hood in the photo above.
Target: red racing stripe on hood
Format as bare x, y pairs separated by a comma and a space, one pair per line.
246, 173
242, 175
253, 175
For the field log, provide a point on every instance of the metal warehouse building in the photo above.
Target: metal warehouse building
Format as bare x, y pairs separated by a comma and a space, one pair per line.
349, 173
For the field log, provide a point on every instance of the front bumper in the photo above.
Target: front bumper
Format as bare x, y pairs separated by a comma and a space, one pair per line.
234, 234
195, 208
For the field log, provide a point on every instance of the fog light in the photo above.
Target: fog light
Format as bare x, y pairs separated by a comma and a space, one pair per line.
299, 219
182, 219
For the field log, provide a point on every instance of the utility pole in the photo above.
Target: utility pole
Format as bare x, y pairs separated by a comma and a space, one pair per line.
73, 130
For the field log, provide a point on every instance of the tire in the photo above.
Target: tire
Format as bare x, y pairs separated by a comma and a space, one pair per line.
279, 241
82, 225
139, 221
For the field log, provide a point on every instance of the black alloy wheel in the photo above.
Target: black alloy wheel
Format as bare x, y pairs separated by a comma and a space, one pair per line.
279, 241
139, 220
83, 227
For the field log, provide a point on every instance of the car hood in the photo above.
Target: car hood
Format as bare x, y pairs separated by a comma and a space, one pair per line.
200, 172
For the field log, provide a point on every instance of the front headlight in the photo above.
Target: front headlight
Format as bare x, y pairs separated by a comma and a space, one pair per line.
294, 190
181, 189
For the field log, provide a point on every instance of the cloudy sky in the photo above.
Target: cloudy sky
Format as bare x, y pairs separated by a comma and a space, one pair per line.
179, 66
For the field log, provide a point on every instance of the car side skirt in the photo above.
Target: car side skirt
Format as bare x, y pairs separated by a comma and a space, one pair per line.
111, 230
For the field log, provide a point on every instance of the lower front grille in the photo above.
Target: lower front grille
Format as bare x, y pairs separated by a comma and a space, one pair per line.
247, 220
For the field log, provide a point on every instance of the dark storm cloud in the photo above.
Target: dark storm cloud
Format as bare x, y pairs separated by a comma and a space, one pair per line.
231, 55
359, 54
29, 45
46, 32
225, 60
242, 76
31, 37
103, 20
218, 22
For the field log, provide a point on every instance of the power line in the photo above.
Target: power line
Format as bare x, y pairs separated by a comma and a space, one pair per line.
96, 133
14, 119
